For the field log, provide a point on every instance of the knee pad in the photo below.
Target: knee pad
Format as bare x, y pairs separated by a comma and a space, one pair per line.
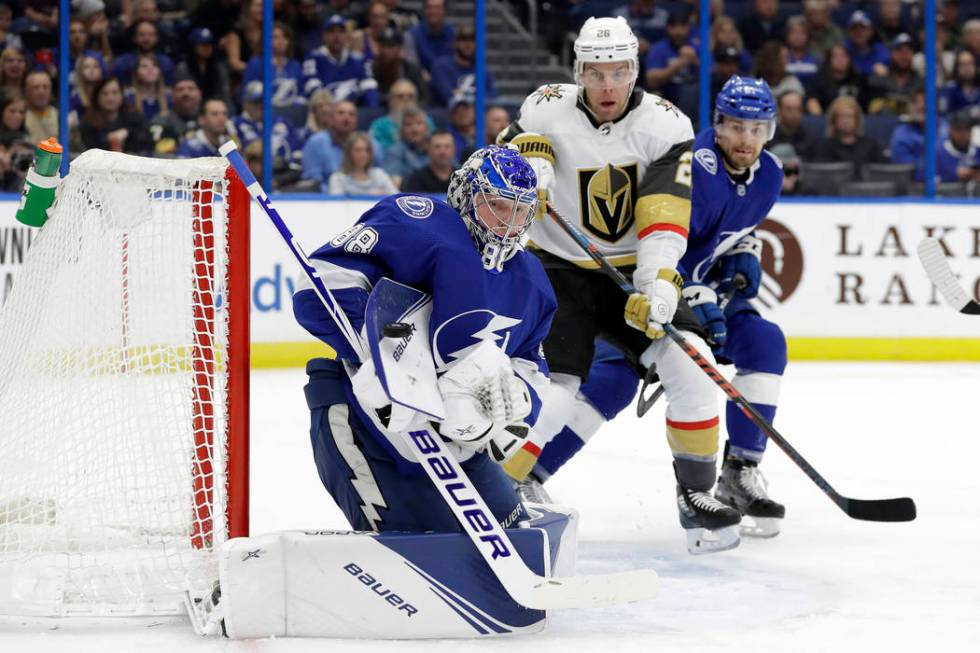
756, 344
611, 386
692, 401
691, 393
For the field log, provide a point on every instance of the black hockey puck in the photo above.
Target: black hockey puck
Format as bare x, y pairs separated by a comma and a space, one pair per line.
398, 330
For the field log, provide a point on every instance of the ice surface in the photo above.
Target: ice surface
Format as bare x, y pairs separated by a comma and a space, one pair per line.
827, 583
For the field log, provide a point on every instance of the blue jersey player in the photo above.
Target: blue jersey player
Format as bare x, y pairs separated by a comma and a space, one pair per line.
492, 306
735, 184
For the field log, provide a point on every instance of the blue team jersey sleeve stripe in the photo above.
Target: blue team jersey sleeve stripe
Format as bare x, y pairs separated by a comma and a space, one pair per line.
335, 276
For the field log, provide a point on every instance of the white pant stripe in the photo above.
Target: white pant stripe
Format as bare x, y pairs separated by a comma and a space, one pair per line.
758, 387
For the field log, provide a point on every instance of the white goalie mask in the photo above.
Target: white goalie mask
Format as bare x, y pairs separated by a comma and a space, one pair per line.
606, 40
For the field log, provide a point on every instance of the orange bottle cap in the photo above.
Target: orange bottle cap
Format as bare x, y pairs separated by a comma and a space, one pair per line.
51, 145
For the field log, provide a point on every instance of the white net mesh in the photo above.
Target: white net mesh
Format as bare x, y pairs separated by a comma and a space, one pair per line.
112, 393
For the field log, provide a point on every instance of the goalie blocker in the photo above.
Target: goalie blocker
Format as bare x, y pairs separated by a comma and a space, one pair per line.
388, 585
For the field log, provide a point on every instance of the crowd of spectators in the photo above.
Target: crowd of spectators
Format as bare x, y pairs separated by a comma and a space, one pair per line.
369, 96
849, 78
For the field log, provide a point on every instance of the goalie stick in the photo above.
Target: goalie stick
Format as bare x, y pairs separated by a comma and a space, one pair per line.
885, 510
941, 275
445, 472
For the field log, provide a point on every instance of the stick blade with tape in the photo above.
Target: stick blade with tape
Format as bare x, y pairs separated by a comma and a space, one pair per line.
941, 274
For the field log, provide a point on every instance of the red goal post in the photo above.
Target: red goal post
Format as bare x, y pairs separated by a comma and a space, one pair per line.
124, 390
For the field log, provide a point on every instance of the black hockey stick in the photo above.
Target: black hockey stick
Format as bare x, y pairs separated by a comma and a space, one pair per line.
941, 275
890, 510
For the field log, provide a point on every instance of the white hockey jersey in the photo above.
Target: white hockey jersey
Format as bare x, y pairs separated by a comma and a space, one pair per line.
617, 181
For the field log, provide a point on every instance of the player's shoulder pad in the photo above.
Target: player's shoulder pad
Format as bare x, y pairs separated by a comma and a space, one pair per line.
420, 210
706, 159
422, 218
661, 117
772, 159
770, 171
541, 107
411, 223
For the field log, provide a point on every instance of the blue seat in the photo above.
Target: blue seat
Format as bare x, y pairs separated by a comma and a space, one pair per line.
367, 115
581, 12
880, 127
295, 114
440, 116
815, 127
688, 101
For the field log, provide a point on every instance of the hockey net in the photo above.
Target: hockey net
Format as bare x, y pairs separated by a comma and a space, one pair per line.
123, 390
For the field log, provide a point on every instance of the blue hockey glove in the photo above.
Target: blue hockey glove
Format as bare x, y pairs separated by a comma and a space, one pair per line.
704, 302
744, 259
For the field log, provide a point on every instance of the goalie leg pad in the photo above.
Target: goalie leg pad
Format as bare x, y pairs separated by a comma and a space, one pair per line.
376, 490
387, 586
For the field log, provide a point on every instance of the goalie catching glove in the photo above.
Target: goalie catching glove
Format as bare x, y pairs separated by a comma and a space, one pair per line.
486, 403
654, 305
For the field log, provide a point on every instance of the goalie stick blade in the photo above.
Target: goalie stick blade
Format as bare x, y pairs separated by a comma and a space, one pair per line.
589, 591
902, 509
941, 274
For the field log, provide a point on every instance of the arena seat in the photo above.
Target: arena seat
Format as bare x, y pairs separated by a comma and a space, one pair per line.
367, 115
952, 189
440, 116
295, 114
815, 128
880, 127
899, 173
869, 189
826, 178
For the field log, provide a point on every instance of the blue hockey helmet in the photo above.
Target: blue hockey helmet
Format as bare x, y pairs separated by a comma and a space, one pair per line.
746, 98
495, 192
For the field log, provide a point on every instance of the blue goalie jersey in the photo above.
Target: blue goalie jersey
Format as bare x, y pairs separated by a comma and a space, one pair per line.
724, 209
423, 243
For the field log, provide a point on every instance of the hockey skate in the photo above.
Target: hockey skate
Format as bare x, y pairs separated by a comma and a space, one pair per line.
531, 490
742, 486
711, 525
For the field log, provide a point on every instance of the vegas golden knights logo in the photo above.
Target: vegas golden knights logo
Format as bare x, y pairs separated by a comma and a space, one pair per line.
607, 198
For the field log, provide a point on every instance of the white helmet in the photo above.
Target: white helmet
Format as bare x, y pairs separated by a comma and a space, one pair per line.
603, 40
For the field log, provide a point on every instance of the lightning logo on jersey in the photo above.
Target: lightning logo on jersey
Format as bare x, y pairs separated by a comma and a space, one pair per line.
471, 328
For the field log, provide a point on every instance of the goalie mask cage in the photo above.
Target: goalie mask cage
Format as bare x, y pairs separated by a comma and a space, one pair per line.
124, 390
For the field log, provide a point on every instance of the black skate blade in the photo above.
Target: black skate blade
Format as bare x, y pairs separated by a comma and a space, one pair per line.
902, 509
